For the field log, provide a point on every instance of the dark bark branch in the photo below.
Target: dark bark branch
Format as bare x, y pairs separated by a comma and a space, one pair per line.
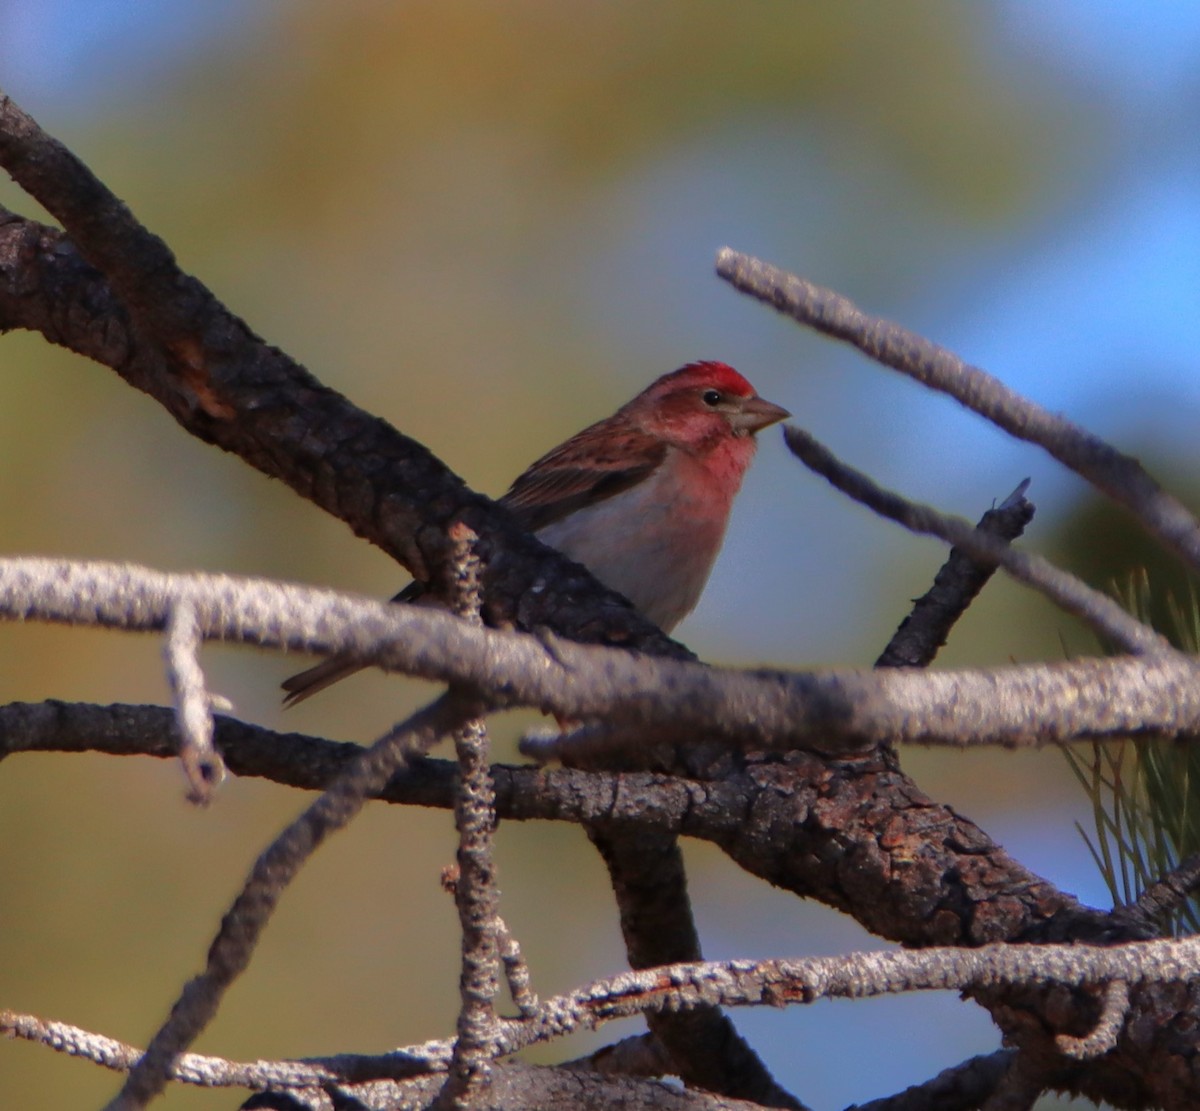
1167, 893
112, 291
857, 835
650, 884
957, 584
961, 1088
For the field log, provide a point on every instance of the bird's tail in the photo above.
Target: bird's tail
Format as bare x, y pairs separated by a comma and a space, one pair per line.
336, 668
325, 674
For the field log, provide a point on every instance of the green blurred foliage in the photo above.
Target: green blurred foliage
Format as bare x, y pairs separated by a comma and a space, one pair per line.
1105, 546
402, 196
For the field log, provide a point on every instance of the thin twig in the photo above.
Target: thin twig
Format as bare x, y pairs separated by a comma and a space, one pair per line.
388, 1082
1119, 476
207, 1071
1098, 610
958, 582
1103, 1036
776, 983
516, 970
242, 925
193, 704
475, 892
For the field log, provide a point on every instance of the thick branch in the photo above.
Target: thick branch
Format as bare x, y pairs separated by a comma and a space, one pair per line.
832, 711
112, 291
857, 835
650, 885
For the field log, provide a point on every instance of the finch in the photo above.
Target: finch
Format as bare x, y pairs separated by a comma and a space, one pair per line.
641, 498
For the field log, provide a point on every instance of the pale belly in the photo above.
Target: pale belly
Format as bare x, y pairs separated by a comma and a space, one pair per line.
653, 544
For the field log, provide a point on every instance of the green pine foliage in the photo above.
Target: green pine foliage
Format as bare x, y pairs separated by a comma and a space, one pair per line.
1145, 793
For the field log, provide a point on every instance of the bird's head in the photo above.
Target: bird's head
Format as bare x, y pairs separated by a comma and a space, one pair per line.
703, 404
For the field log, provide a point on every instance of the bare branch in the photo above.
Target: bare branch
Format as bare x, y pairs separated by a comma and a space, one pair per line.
1119, 476
1103, 1037
855, 976
1103, 614
131, 308
390, 1082
650, 885
243, 924
193, 704
217, 1072
1165, 895
788, 981
750, 812
828, 711
475, 892
960, 1088
923, 632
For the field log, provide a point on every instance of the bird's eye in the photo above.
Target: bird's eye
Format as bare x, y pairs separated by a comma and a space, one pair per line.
711, 397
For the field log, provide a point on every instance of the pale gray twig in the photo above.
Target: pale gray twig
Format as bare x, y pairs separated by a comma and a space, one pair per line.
516, 971
1119, 476
1069, 593
1103, 1036
193, 704
217, 1072
854, 976
775, 983
827, 711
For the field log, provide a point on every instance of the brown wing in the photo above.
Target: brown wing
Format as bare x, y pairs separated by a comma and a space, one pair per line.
548, 490
557, 484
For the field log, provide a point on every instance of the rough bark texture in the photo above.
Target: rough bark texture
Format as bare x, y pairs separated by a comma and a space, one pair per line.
855, 833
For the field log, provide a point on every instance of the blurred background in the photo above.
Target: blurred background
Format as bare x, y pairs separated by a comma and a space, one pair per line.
492, 225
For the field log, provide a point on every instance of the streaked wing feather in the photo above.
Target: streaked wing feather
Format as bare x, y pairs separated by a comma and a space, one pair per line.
559, 483
554, 486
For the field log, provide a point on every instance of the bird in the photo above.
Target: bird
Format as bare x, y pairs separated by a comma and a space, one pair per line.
640, 498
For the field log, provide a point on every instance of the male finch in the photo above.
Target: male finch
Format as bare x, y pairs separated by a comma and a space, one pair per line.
641, 498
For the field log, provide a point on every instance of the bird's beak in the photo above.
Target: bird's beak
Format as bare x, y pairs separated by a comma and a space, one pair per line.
754, 414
